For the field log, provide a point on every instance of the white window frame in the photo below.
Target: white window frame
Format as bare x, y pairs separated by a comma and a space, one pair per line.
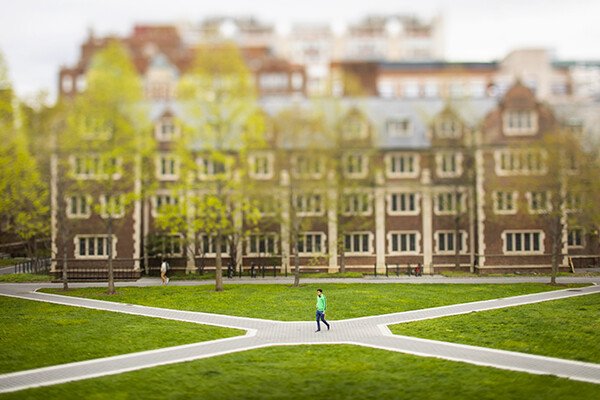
505, 236
170, 238
417, 249
364, 164
103, 204
573, 202
463, 202
446, 159
396, 127
531, 196
355, 127
513, 200
572, 237
462, 238
265, 170
405, 194
510, 116
361, 252
171, 172
515, 158
302, 243
173, 133
357, 199
206, 168
211, 245
78, 215
311, 205
443, 130
95, 256
166, 198
391, 159
258, 238
98, 172
307, 166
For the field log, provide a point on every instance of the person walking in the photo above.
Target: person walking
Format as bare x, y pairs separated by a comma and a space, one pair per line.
163, 271
321, 307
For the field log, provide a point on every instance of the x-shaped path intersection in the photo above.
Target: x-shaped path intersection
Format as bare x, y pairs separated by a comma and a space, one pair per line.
366, 331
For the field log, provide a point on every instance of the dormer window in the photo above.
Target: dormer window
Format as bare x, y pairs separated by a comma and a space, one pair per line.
520, 122
398, 127
165, 130
448, 128
355, 128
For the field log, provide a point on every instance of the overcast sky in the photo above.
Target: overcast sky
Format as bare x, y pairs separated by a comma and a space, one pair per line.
38, 36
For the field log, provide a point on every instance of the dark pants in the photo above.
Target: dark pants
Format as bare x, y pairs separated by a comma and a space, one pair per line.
321, 316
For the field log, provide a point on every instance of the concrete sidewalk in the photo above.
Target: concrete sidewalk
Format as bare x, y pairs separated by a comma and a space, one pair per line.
366, 331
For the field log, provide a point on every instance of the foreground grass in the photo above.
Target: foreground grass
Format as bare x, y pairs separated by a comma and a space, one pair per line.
285, 303
34, 334
326, 372
21, 278
565, 328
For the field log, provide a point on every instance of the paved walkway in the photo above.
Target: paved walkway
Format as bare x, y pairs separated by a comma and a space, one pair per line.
367, 331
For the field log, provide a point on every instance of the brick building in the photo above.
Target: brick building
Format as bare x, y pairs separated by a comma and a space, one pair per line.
428, 182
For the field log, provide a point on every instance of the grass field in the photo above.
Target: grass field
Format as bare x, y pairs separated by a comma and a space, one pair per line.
34, 334
321, 372
565, 328
21, 278
285, 303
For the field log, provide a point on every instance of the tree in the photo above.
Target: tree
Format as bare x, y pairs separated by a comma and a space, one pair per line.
104, 137
220, 108
23, 198
563, 195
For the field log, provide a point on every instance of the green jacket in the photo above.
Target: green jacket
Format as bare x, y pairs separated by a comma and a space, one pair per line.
321, 302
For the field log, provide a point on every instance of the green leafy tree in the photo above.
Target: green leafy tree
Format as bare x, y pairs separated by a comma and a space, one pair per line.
563, 195
220, 124
107, 137
23, 196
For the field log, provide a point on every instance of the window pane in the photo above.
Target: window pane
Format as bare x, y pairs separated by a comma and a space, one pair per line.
527, 240
262, 247
441, 242
394, 202
518, 242
356, 242
91, 246
101, 246
365, 243
318, 243
348, 246
509, 239
309, 243
450, 237
536, 241
394, 242
413, 244
82, 243
271, 245
403, 242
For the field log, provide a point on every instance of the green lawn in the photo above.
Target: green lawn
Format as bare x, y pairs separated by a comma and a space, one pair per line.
285, 303
318, 372
26, 278
35, 334
567, 328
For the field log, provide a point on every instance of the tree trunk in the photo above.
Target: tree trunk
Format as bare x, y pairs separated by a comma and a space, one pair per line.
218, 266
555, 249
111, 278
296, 256
64, 270
343, 258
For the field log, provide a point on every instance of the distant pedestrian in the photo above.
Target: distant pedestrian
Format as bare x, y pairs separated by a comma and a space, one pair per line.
321, 307
163, 271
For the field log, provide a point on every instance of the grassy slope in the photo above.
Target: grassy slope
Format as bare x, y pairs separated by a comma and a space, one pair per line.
282, 302
565, 328
325, 372
34, 334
